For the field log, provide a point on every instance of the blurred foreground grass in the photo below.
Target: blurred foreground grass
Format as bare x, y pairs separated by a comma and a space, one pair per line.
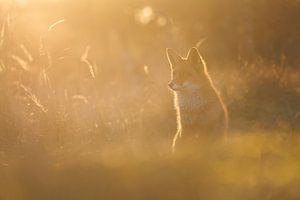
248, 166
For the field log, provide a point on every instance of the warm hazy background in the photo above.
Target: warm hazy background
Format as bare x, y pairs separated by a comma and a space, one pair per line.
85, 112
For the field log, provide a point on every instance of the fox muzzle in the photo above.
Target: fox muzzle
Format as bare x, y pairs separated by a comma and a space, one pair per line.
175, 87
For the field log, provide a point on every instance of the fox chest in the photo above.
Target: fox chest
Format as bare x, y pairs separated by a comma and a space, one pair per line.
197, 113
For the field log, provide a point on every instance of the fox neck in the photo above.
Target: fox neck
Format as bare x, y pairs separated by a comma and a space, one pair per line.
190, 102
192, 107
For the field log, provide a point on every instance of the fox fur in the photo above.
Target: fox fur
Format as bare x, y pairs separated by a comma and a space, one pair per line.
199, 107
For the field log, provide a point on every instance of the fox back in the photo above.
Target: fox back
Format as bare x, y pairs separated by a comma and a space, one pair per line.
199, 107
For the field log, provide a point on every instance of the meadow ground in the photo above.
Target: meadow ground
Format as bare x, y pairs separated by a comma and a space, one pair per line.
246, 167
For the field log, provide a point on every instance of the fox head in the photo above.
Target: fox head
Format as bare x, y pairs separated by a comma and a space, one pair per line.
186, 73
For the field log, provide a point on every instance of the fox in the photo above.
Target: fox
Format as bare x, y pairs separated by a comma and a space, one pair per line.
200, 110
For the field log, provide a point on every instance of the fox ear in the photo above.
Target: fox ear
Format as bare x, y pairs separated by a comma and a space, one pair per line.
194, 56
172, 57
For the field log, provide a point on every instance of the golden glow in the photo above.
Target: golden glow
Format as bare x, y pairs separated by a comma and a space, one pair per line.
144, 15
86, 113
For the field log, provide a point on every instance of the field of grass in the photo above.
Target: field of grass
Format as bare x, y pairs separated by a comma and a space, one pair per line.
85, 112
252, 166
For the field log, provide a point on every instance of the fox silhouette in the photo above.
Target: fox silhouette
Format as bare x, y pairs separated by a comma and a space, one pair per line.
199, 107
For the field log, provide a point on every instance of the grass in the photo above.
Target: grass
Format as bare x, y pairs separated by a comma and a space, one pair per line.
248, 166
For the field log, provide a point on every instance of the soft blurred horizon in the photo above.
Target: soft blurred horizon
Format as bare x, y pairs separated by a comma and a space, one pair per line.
85, 112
